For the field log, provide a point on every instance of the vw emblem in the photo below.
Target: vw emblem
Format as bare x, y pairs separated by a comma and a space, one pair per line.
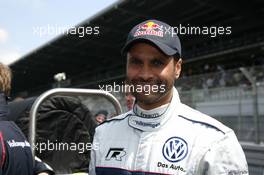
175, 149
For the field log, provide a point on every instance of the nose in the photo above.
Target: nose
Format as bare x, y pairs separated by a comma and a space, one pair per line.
146, 73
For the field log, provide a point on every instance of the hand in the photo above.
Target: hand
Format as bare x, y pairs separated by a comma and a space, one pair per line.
43, 174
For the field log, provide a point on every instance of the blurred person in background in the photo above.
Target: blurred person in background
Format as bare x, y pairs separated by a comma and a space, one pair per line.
101, 116
15, 151
129, 98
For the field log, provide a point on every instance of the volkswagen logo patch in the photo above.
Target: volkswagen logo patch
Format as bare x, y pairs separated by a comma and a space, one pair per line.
175, 149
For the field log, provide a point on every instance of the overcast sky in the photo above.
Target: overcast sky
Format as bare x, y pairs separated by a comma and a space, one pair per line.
20, 21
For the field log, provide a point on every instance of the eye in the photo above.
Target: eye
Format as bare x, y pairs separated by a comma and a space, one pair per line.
135, 61
157, 62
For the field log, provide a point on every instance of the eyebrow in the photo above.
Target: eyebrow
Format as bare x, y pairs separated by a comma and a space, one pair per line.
161, 58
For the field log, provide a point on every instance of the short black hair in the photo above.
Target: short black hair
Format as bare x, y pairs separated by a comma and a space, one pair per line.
104, 112
176, 56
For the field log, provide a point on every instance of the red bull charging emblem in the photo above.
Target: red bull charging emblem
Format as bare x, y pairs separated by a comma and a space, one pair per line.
149, 28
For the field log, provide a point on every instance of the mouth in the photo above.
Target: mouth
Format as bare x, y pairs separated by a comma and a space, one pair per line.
154, 86
147, 83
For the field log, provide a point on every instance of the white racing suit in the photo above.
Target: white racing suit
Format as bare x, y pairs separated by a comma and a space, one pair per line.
181, 141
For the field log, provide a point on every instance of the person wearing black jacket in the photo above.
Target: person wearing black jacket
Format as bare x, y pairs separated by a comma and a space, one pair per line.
15, 152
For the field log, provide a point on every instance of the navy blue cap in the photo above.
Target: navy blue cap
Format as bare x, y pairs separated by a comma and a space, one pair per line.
156, 32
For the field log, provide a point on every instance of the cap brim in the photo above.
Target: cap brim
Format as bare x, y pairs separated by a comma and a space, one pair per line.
163, 47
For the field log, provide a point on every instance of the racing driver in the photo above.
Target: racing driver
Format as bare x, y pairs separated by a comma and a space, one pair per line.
161, 135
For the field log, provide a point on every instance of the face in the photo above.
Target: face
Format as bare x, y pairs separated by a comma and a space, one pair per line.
100, 118
150, 69
130, 99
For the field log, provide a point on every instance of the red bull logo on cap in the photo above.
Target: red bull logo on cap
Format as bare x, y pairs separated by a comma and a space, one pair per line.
149, 28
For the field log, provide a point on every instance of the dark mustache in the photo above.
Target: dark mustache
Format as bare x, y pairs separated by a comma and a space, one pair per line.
150, 82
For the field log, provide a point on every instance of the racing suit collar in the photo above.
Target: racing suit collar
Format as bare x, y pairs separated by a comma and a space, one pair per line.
153, 113
151, 122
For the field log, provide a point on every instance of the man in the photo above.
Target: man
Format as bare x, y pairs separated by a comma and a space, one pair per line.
161, 135
15, 152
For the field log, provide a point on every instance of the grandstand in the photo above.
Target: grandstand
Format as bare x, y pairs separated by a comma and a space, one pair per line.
95, 59
211, 78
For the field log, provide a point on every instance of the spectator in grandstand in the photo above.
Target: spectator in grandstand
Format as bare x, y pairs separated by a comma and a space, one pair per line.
161, 135
237, 77
101, 116
210, 81
206, 68
222, 77
15, 151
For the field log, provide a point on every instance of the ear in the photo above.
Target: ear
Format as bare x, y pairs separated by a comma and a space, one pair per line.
177, 68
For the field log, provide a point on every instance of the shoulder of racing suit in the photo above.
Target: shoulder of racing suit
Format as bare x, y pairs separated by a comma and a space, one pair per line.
110, 126
194, 116
187, 113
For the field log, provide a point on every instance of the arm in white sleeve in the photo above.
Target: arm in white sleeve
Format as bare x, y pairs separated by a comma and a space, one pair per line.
224, 157
93, 154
